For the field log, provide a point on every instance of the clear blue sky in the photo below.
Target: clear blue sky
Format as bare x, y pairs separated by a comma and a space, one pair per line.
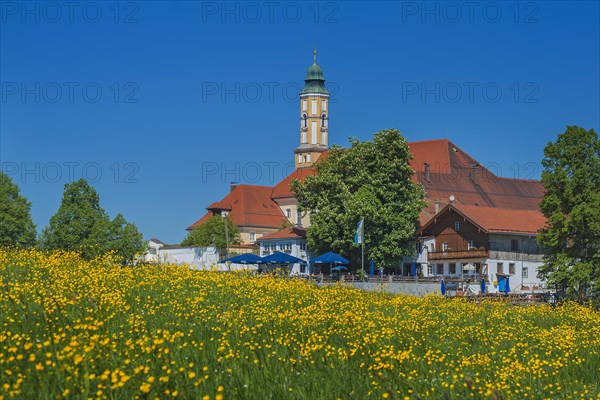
162, 104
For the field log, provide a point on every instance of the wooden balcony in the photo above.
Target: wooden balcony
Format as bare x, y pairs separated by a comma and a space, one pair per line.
456, 254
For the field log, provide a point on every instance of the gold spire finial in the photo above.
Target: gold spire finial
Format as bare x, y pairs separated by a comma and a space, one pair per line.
315, 54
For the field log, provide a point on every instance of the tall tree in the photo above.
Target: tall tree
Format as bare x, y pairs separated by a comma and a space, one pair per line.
125, 239
212, 233
571, 204
16, 226
82, 225
370, 180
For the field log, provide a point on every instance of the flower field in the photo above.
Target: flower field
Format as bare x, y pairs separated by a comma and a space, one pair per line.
91, 329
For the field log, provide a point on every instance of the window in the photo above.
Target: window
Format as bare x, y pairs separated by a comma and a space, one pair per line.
429, 270
313, 132
440, 269
470, 245
287, 247
152, 250
324, 138
500, 268
303, 246
299, 217
444, 246
457, 226
511, 268
432, 246
309, 157
288, 213
313, 106
304, 138
302, 268
514, 245
299, 158
525, 272
324, 105
452, 267
304, 105
252, 236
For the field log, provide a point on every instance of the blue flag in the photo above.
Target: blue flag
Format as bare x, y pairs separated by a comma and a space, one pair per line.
360, 230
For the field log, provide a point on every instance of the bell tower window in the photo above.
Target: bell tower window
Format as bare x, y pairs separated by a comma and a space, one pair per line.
324, 120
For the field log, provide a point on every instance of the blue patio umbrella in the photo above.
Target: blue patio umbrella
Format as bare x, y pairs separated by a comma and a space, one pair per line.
501, 284
413, 269
372, 271
482, 285
329, 258
280, 258
247, 258
507, 284
443, 288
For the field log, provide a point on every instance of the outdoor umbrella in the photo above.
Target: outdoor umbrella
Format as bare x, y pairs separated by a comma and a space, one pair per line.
413, 269
247, 258
338, 268
329, 258
482, 285
280, 258
372, 271
443, 288
469, 267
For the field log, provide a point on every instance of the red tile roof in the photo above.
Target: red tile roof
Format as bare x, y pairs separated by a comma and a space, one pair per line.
288, 233
451, 174
283, 188
504, 220
497, 220
249, 205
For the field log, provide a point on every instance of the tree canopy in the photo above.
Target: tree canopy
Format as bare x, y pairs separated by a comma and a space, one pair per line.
370, 180
16, 226
82, 225
571, 204
212, 233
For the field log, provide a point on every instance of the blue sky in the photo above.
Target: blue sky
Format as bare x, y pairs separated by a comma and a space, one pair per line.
161, 104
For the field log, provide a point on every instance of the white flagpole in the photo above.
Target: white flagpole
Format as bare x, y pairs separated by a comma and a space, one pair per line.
363, 246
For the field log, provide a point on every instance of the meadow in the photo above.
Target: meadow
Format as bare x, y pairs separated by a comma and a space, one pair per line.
92, 329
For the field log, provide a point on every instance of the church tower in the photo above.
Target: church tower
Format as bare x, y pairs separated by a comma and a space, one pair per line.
314, 117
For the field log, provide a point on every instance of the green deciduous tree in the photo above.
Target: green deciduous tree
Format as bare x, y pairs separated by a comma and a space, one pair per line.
16, 226
212, 233
80, 224
571, 204
371, 179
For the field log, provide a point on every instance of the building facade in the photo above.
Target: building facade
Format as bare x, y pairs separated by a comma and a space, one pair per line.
291, 241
